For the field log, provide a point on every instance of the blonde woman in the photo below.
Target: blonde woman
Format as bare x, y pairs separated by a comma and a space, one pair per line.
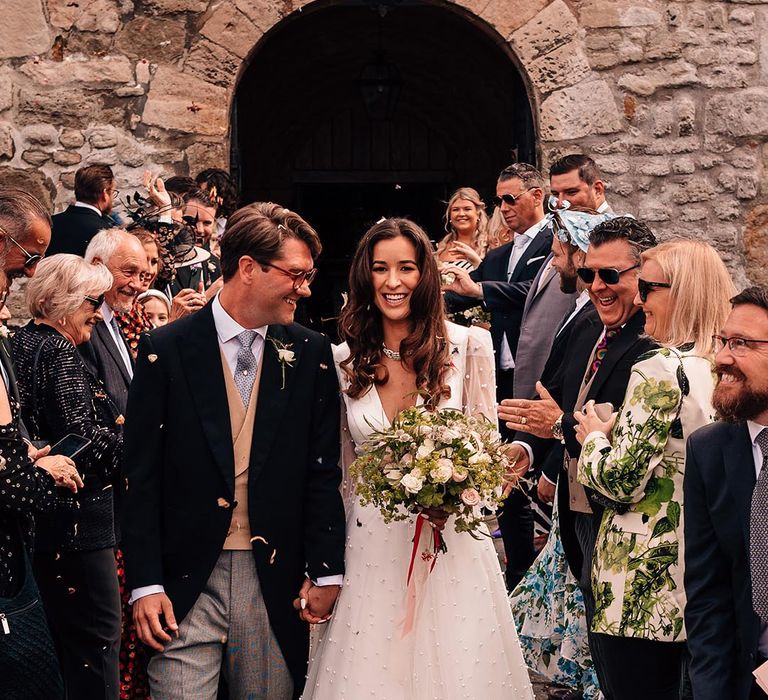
467, 225
636, 460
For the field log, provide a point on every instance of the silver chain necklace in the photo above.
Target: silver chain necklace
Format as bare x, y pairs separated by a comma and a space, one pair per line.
391, 354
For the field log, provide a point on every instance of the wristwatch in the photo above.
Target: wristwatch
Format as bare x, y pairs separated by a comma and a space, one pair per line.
557, 429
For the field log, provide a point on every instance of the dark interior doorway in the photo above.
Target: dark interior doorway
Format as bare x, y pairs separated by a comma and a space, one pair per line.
358, 110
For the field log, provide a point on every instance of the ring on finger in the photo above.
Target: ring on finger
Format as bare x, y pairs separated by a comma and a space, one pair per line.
523, 420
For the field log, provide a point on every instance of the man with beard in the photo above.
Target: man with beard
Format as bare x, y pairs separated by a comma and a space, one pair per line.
95, 195
726, 514
107, 353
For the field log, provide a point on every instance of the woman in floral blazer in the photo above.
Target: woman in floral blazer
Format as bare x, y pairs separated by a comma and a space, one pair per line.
637, 461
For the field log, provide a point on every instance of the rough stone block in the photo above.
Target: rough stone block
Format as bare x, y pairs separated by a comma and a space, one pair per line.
182, 102
724, 76
266, 13
7, 146
653, 211
132, 153
36, 157
726, 209
602, 40
80, 71
692, 214
63, 106
563, 67
25, 29
756, 244
33, 181
741, 113
143, 72
104, 156
668, 75
201, 155
67, 158
40, 134
726, 179
746, 187
6, 90
71, 138
98, 16
657, 167
740, 159
173, 6
574, 112
603, 60
231, 29
683, 166
695, 189
130, 91
742, 15
619, 13
613, 165
156, 39
551, 28
102, 136
213, 64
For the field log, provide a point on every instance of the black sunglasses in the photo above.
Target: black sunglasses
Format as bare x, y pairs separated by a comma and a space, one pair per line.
644, 288
609, 275
510, 199
31, 259
95, 301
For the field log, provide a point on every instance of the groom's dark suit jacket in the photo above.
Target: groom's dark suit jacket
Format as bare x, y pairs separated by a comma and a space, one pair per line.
179, 464
722, 627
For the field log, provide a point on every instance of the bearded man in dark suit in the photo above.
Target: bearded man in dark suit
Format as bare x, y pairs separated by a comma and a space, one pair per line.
231, 475
726, 514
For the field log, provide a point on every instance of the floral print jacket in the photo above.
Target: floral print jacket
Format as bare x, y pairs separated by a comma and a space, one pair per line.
637, 569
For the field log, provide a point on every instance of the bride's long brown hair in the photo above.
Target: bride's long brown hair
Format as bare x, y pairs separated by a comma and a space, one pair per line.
425, 349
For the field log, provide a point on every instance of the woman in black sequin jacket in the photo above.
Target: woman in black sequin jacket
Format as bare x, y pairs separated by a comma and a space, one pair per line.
74, 561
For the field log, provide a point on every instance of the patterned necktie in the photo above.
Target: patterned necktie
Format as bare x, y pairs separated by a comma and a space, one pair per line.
600, 350
758, 534
245, 370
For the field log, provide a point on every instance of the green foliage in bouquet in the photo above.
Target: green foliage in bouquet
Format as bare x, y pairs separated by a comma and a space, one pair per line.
438, 459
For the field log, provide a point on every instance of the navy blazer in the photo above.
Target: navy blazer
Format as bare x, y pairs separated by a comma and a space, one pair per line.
505, 300
73, 229
722, 628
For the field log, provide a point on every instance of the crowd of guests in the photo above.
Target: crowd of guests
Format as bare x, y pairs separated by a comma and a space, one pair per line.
630, 377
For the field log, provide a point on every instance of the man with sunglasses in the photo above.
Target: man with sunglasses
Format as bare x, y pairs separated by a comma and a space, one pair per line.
502, 282
596, 366
726, 514
95, 196
231, 475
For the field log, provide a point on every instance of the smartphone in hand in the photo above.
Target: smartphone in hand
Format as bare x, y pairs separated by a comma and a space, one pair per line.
70, 445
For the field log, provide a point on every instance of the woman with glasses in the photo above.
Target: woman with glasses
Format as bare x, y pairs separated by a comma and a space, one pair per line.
636, 460
74, 561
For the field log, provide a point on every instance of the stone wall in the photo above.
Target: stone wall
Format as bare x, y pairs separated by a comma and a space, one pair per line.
670, 97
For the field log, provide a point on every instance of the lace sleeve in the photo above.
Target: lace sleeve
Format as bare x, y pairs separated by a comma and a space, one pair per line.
480, 375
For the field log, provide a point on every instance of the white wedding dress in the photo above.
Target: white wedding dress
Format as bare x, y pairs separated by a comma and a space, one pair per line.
463, 643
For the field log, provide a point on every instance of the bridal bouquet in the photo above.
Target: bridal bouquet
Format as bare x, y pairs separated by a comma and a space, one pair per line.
440, 459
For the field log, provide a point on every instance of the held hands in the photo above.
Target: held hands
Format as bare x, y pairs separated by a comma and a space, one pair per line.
589, 421
315, 603
462, 283
148, 615
534, 417
61, 468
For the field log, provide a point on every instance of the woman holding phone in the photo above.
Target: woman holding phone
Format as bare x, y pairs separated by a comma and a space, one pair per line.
636, 460
74, 562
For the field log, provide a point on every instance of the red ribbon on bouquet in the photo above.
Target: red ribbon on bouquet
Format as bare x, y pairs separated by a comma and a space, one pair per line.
411, 582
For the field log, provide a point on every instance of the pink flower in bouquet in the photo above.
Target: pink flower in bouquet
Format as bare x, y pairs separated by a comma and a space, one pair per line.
459, 475
470, 497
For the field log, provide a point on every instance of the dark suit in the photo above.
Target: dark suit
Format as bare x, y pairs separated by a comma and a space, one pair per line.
722, 627
190, 277
179, 462
74, 228
103, 359
505, 300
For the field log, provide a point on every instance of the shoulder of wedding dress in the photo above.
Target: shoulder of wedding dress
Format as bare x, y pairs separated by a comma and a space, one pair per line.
340, 352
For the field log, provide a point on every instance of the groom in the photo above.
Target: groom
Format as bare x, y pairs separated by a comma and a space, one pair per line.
231, 475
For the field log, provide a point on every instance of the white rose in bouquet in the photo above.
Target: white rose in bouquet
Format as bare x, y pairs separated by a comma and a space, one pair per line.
442, 471
412, 482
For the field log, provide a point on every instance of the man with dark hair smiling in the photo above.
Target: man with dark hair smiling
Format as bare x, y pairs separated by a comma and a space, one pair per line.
576, 179
726, 514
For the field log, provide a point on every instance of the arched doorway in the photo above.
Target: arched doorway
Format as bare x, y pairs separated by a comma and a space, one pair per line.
349, 113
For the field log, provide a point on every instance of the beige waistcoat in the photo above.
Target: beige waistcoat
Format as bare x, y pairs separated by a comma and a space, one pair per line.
241, 420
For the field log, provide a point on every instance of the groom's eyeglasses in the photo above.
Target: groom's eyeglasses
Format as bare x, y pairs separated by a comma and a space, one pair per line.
299, 278
609, 275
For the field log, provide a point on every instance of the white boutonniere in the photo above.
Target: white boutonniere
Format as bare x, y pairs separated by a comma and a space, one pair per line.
211, 267
5, 332
285, 356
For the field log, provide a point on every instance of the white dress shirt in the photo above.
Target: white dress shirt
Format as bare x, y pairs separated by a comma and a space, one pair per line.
757, 455
85, 205
520, 244
117, 338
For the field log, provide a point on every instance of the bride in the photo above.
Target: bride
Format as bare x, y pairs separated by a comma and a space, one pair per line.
399, 351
